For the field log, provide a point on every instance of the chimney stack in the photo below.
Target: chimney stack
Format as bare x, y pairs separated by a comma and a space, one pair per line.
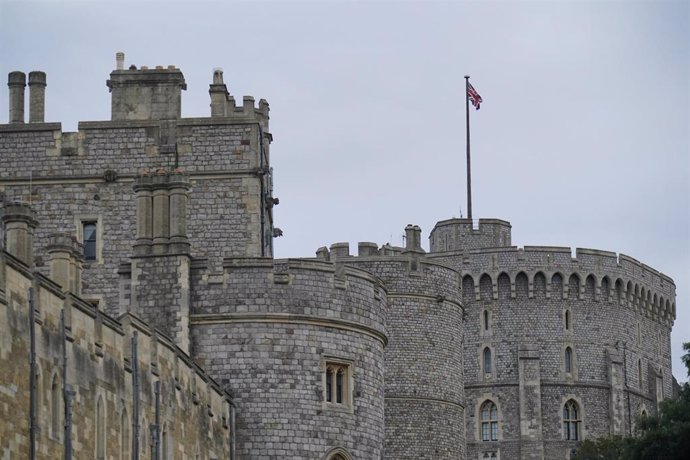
19, 221
60, 251
17, 82
37, 97
413, 238
119, 60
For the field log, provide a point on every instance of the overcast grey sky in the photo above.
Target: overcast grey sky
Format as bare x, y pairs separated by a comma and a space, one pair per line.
582, 139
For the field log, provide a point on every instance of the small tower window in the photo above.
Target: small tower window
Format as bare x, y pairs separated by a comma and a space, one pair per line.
571, 421
89, 232
486, 320
568, 360
487, 361
329, 384
337, 384
489, 417
55, 408
639, 373
567, 320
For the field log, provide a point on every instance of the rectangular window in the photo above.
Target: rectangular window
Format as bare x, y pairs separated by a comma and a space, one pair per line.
337, 383
89, 230
89, 241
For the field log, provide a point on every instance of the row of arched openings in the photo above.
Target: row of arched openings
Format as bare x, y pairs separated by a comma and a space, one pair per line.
572, 421
623, 293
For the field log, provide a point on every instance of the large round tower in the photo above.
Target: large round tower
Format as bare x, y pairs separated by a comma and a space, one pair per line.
559, 347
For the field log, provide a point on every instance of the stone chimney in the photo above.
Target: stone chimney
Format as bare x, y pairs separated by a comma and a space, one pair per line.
161, 263
37, 97
19, 221
119, 60
162, 199
145, 94
413, 238
60, 252
17, 82
219, 94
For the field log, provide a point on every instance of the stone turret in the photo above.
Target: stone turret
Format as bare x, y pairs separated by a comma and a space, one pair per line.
66, 258
20, 222
146, 94
159, 275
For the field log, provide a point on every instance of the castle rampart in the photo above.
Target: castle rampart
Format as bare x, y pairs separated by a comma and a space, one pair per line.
287, 323
546, 326
424, 356
195, 413
226, 159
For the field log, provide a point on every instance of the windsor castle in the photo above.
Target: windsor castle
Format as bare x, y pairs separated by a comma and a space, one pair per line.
143, 316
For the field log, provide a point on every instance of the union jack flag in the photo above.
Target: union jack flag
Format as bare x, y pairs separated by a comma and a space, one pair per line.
474, 96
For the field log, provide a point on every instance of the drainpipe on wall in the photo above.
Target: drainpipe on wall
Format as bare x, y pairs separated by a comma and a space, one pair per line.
67, 392
156, 432
32, 376
233, 440
135, 398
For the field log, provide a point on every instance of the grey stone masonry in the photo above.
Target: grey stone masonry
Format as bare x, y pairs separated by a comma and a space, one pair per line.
269, 328
146, 94
590, 327
425, 406
87, 176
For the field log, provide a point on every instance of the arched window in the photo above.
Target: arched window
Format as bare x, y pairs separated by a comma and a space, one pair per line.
144, 437
567, 320
486, 354
125, 442
55, 407
490, 456
639, 373
338, 388
489, 421
100, 430
568, 360
571, 421
338, 453
486, 320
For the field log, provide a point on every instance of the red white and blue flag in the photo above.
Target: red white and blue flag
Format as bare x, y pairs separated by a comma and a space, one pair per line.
473, 96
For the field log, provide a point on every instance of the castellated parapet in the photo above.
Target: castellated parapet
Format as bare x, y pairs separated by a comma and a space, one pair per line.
159, 225
545, 328
284, 323
425, 323
76, 178
78, 345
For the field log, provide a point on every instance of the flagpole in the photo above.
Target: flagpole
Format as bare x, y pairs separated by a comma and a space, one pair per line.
469, 175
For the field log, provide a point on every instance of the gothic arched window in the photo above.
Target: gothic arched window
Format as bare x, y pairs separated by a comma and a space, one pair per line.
568, 360
486, 355
571, 421
489, 421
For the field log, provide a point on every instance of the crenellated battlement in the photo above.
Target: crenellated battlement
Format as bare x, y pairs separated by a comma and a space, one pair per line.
223, 104
292, 289
606, 275
462, 234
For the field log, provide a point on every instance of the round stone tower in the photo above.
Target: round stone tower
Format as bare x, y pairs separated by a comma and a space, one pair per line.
301, 346
558, 347
424, 394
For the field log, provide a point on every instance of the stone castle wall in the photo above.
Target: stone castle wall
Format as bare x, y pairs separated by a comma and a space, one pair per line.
88, 176
268, 328
195, 413
620, 313
424, 397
